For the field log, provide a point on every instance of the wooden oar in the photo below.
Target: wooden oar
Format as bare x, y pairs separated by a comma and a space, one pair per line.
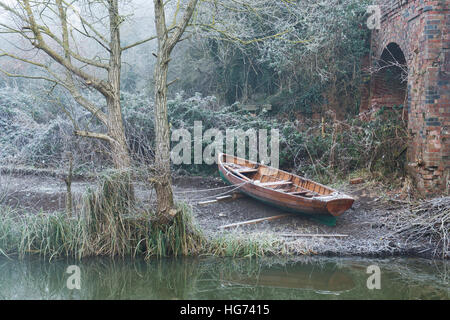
313, 235
237, 224
235, 195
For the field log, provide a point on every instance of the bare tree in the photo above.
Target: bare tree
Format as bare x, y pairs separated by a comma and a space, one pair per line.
214, 16
56, 34
47, 27
168, 37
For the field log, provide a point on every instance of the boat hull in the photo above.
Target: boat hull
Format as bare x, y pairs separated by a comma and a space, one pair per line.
333, 204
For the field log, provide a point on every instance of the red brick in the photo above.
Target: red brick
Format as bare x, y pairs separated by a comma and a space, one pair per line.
423, 52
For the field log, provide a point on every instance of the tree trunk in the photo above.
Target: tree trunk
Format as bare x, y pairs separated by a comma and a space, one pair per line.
119, 147
163, 183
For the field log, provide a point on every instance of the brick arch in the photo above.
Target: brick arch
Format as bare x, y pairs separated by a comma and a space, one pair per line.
402, 43
393, 51
389, 82
420, 28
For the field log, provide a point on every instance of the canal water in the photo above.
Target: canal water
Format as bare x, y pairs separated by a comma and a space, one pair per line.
217, 278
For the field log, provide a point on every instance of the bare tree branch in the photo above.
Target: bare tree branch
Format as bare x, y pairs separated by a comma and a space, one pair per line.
94, 135
138, 43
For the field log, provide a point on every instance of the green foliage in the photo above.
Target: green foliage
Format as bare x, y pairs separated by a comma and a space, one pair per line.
139, 124
48, 147
184, 112
33, 132
341, 148
344, 147
354, 145
321, 52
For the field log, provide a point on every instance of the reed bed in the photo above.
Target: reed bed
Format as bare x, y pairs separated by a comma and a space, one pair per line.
108, 221
58, 236
240, 244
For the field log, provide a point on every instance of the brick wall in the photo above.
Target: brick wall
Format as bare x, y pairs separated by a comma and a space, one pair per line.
421, 29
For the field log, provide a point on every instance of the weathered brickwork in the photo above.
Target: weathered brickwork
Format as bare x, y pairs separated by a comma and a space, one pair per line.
420, 29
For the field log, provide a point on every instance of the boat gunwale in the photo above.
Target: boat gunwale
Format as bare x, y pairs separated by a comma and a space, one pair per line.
333, 195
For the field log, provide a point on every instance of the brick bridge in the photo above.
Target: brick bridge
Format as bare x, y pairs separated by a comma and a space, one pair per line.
414, 41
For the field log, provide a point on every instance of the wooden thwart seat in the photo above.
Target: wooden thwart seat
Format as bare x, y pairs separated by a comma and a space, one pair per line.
248, 170
274, 183
303, 193
298, 193
239, 168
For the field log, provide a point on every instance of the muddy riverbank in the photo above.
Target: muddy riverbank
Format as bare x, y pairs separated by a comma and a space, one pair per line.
365, 235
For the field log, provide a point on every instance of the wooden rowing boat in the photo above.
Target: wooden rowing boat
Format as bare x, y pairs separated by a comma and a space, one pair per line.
282, 189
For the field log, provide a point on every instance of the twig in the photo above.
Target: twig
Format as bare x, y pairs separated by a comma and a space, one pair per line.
237, 224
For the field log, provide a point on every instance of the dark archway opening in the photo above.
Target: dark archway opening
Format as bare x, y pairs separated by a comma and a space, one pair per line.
390, 79
388, 104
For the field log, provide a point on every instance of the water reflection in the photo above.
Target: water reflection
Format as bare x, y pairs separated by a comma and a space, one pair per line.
213, 278
299, 276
